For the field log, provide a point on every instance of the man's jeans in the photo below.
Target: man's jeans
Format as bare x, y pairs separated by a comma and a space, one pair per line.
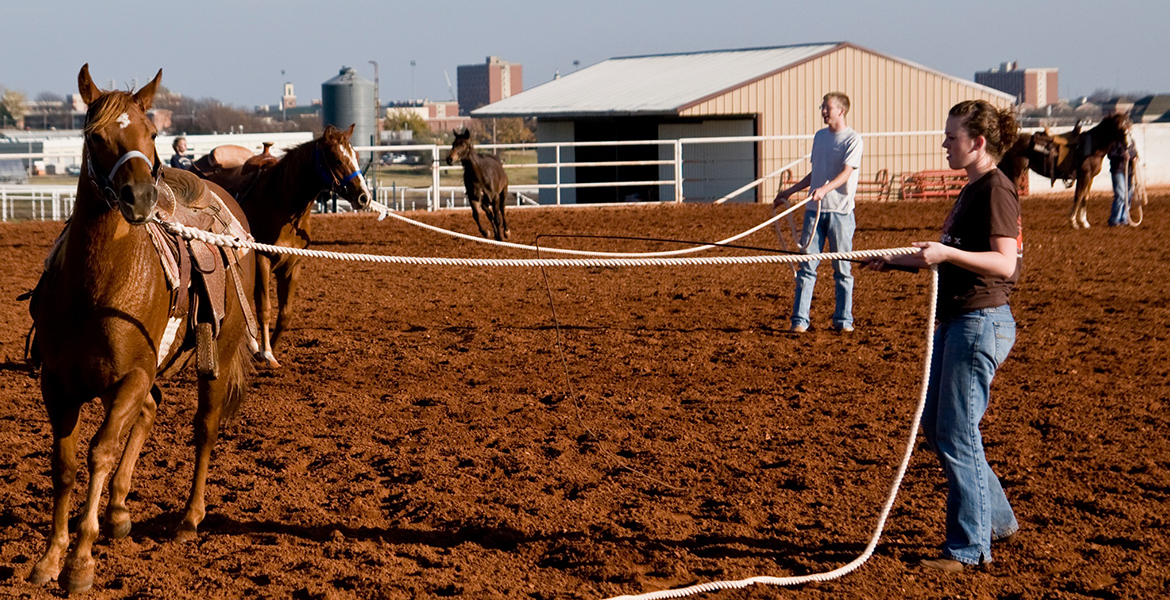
834, 230
1122, 195
967, 351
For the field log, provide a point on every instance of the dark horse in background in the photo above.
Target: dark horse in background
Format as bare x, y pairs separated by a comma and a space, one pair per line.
111, 317
1074, 156
486, 184
278, 196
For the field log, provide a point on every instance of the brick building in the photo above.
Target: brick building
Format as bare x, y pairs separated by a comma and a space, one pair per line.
492, 81
1034, 87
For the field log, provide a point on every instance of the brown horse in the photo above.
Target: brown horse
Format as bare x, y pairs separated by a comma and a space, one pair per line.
486, 184
110, 318
1075, 156
278, 205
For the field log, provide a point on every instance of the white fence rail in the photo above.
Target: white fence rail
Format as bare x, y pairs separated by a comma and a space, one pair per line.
704, 169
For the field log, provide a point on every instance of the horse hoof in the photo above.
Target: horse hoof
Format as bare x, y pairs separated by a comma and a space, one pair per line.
186, 534
41, 576
76, 579
120, 530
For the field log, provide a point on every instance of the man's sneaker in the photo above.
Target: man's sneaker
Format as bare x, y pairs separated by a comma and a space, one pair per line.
845, 328
798, 328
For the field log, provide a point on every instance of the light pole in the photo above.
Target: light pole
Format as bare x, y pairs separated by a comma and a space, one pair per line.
412, 81
377, 126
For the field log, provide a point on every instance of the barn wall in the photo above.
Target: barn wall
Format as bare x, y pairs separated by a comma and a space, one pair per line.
886, 95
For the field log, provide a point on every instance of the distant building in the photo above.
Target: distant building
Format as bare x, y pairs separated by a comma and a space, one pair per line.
439, 116
1152, 109
1034, 87
289, 99
480, 85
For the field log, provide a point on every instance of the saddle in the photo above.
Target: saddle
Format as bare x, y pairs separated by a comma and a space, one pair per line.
1062, 153
235, 168
200, 268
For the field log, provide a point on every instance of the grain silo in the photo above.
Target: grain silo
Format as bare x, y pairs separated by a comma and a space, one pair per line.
349, 99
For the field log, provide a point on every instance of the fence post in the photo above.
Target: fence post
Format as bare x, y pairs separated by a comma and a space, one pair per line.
558, 171
678, 177
434, 178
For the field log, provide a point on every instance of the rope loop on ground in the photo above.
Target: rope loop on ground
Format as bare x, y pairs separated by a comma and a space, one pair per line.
885, 512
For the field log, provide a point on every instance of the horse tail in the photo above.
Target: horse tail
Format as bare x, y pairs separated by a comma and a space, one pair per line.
239, 368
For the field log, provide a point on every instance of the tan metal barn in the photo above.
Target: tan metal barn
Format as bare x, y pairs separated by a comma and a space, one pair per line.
759, 91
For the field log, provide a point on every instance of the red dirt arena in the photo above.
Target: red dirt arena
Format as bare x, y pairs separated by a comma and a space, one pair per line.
432, 435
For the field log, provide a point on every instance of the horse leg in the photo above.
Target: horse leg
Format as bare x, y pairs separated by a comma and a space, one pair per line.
287, 280
117, 514
1084, 185
63, 417
123, 402
503, 219
207, 416
476, 206
263, 311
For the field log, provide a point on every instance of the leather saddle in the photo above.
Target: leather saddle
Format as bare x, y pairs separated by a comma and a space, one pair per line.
235, 168
1061, 153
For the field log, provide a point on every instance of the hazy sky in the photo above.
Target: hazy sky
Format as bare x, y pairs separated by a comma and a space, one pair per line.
236, 51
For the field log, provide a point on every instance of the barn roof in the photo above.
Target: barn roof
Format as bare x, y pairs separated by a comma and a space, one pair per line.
661, 84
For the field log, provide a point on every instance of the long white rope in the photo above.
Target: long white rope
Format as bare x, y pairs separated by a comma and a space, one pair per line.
191, 233
234, 242
385, 211
881, 522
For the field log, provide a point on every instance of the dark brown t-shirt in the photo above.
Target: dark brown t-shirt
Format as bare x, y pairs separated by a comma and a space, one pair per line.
986, 208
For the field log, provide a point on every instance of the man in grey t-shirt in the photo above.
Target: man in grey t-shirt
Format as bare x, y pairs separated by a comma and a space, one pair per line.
828, 217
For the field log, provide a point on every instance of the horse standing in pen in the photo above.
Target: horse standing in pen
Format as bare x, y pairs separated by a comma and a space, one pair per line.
1074, 156
485, 182
278, 198
121, 303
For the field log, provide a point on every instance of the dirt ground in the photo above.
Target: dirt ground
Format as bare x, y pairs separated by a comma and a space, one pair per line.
434, 434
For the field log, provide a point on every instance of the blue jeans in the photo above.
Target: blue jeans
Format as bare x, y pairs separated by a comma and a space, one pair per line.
836, 231
1122, 195
967, 351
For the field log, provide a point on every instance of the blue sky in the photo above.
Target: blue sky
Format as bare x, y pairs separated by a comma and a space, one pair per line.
236, 51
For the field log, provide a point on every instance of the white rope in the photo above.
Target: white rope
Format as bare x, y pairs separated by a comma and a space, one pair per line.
1138, 200
385, 210
235, 242
881, 522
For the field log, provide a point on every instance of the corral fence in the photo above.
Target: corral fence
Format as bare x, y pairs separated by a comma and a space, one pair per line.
702, 169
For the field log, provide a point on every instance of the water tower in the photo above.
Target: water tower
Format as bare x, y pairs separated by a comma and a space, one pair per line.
347, 99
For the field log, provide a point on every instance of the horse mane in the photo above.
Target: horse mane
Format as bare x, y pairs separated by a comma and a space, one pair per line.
106, 110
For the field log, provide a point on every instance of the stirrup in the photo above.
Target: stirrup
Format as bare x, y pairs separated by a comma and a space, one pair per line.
206, 354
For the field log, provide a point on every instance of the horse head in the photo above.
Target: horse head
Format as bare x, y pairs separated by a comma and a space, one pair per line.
1116, 127
461, 148
338, 164
121, 160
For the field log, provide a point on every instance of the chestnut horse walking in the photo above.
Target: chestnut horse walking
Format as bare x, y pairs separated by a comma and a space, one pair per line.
1075, 156
485, 182
278, 204
111, 317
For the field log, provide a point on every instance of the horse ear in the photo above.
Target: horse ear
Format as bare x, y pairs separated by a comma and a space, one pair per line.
349, 132
145, 96
89, 91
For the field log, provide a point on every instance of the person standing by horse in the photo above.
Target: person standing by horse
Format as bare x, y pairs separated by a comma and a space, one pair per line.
180, 160
1122, 159
828, 217
979, 259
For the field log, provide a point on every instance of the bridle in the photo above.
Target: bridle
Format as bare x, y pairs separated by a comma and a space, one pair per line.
104, 184
327, 175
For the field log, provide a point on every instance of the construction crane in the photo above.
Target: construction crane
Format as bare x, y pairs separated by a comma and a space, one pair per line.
450, 88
